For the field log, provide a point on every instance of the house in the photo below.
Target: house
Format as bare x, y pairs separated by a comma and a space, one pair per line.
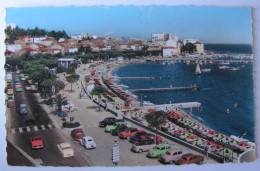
72, 49
55, 51
199, 47
26, 39
48, 41
31, 51
38, 39
65, 62
14, 48
169, 51
160, 37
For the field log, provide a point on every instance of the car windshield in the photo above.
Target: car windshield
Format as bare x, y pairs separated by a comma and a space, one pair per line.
89, 140
79, 133
66, 148
37, 138
158, 148
168, 153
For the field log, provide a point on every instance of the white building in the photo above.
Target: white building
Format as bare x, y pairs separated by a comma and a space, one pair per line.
73, 49
160, 37
14, 48
38, 40
185, 41
169, 51
65, 62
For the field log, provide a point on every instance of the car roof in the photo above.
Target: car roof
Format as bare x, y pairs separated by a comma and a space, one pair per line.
77, 130
63, 145
87, 138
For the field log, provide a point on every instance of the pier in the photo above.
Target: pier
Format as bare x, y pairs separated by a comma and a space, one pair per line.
174, 105
134, 78
165, 89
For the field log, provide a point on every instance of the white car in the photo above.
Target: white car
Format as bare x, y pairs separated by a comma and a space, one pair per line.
87, 142
66, 149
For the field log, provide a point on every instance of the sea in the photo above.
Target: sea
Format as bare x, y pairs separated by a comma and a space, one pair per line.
219, 90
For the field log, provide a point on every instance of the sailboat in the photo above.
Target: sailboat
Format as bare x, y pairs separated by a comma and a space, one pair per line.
198, 71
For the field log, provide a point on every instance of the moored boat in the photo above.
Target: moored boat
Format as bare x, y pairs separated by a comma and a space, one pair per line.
206, 70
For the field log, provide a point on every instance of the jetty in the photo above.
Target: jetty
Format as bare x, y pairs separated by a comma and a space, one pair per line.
173, 105
134, 78
165, 89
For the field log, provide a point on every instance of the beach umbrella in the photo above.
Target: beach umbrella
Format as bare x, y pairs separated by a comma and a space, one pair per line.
218, 136
211, 132
136, 109
217, 146
210, 143
179, 131
185, 134
199, 141
191, 123
226, 151
242, 144
126, 107
233, 142
192, 137
128, 100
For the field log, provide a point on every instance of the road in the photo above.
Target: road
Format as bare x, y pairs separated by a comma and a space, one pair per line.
20, 131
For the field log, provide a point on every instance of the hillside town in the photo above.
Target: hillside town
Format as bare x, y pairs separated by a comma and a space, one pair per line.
167, 45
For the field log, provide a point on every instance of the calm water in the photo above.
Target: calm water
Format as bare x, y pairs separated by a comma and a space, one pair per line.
219, 90
230, 48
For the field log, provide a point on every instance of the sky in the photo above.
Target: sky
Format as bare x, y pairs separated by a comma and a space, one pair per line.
207, 24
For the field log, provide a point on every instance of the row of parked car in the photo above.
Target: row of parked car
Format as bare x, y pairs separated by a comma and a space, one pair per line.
143, 141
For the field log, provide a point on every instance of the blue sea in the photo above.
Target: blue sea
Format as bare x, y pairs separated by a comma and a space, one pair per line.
219, 90
230, 48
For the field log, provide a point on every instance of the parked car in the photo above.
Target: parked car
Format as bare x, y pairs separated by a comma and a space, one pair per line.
16, 80
149, 136
26, 82
17, 85
171, 156
129, 132
36, 142
77, 134
109, 128
109, 121
189, 159
18, 90
9, 86
23, 109
88, 142
65, 149
142, 146
159, 150
28, 87
10, 92
23, 78
10, 103
136, 136
118, 129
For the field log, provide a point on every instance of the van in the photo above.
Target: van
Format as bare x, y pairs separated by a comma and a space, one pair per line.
23, 109
144, 145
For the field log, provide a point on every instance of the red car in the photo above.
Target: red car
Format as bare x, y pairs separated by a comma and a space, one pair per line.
189, 159
157, 140
77, 134
36, 142
10, 103
9, 86
129, 132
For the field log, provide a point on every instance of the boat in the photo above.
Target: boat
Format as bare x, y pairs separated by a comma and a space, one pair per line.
224, 67
206, 70
224, 63
198, 71
234, 69
123, 86
147, 103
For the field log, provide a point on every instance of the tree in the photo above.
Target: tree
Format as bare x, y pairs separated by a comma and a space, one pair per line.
189, 47
72, 79
70, 71
98, 90
61, 101
46, 86
155, 119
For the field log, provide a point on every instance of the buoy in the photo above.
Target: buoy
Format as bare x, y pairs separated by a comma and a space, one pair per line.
235, 105
227, 110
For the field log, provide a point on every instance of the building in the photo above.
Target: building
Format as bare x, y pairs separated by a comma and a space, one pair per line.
199, 47
65, 62
14, 48
169, 51
160, 37
38, 39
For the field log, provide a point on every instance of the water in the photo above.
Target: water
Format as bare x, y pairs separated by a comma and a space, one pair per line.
230, 48
219, 90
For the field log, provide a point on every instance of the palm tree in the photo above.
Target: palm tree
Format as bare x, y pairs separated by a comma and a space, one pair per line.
155, 119
98, 90
61, 101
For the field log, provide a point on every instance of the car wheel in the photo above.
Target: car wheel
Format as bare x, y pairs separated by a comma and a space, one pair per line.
171, 162
140, 151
